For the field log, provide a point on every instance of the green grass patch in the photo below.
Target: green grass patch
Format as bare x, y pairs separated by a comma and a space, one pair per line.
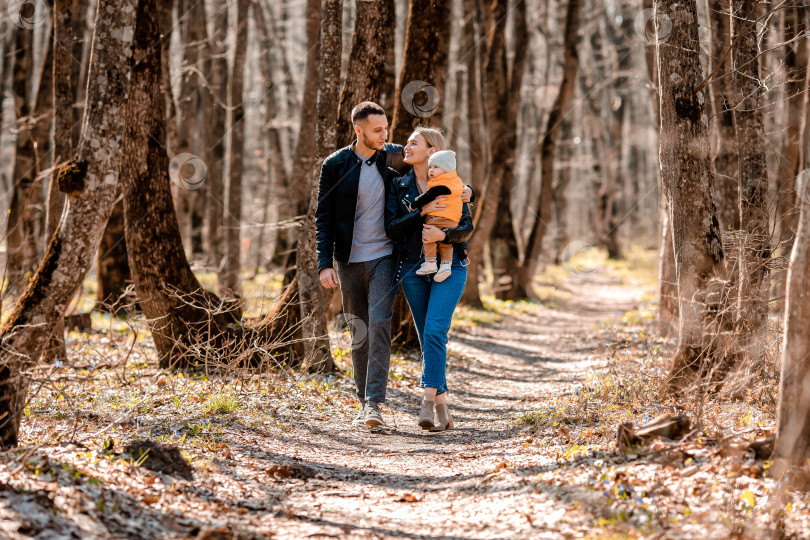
222, 404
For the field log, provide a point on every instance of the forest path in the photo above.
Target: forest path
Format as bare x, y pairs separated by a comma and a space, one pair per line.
477, 480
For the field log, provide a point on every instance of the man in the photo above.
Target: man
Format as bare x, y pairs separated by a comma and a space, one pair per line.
354, 251
350, 232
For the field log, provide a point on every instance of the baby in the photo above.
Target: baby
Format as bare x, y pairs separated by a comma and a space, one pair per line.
443, 181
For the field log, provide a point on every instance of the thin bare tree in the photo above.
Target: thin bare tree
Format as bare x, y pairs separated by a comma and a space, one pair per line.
313, 302
364, 75
687, 178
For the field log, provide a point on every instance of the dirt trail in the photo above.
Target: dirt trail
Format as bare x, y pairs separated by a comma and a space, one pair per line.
476, 481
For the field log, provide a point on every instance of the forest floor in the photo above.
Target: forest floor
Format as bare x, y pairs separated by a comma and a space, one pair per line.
538, 390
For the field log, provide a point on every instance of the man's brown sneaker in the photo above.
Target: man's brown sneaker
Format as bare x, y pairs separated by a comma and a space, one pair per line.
373, 414
361, 415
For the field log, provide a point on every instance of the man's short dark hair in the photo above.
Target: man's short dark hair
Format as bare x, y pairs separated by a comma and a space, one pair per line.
365, 109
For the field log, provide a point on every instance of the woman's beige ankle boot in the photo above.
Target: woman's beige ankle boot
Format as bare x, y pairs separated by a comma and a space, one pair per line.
426, 418
443, 418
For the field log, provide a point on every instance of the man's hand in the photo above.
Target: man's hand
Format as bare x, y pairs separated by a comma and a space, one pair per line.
466, 194
435, 205
432, 234
328, 278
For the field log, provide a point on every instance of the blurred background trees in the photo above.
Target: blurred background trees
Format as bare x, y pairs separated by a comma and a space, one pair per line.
599, 124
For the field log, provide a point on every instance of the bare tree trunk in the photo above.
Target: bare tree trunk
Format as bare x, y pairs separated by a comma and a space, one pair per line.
370, 44
43, 152
313, 304
89, 180
475, 118
687, 179
796, 66
189, 324
192, 22
793, 425
495, 88
304, 162
506, 145
668, 289
388, 84
752, 298
725, 159
667, 316
218, 88
276, 174
19, 237
424, 68
70, 19
165, 10
305, 147
551, 136
229, 277
182, 314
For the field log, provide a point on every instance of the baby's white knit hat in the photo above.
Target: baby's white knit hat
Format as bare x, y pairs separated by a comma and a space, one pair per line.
446, 159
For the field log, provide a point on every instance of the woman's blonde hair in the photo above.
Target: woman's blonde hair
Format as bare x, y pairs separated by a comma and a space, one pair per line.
433, 137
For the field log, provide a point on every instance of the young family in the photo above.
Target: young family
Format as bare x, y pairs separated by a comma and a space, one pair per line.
390, 215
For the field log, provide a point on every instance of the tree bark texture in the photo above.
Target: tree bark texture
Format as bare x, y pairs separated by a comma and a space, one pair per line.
423, 74
230, 283
20, 240
793, 424
215, 154
685, 165
495, 75
725, 158
190, 135
89, 181
364, 76
474, 46
753, 251
313, 302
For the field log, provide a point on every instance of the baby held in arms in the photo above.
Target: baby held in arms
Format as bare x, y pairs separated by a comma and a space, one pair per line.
442, 181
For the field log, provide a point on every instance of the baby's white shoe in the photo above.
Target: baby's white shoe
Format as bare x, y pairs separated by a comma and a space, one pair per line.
444, 271
428, 267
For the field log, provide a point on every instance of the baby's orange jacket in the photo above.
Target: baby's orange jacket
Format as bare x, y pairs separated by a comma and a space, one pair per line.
453, 202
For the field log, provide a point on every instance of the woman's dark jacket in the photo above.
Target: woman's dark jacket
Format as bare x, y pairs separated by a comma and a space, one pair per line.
404, 226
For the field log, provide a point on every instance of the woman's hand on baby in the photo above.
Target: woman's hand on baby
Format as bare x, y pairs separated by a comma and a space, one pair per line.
432, 234
435, 205
466, 194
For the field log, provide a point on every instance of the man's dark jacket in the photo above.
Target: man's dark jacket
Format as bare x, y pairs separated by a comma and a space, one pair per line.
337, 198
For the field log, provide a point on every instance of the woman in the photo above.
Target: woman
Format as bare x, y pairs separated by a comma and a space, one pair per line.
432, 304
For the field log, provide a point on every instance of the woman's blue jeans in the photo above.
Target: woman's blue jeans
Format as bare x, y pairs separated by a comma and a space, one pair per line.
432, 305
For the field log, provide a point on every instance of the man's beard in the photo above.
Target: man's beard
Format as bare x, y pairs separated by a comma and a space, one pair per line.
369, 143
